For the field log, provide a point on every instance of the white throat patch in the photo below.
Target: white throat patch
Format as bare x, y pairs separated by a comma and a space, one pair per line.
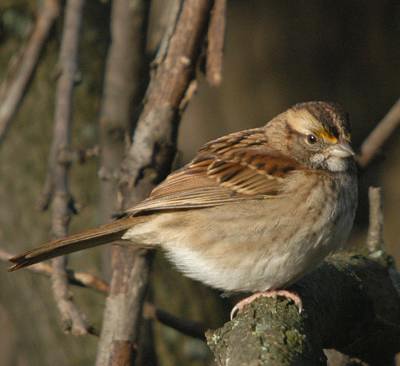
336, 164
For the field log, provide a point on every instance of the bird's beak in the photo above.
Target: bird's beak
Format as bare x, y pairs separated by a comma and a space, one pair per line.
342, 150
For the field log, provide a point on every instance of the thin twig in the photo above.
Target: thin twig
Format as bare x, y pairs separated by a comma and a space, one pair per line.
81, 156
216, 38
73, 320
375, 140
375, 229
14, 87
46, 195
188, 327
90, 281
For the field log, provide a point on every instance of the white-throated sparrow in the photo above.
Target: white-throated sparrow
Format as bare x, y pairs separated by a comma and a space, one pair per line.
253, 211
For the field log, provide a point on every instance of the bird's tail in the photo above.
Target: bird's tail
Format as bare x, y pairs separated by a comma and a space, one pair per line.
90, 238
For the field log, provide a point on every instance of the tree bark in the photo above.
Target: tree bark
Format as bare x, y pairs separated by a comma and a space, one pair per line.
351, 304
61, 200
126, 63
148, 161
122, 92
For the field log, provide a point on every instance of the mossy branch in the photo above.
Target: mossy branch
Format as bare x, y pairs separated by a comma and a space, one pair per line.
350, 304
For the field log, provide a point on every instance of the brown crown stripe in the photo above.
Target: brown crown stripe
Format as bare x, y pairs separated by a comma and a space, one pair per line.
330, 115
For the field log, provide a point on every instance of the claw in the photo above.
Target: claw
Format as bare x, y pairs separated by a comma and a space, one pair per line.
274, 294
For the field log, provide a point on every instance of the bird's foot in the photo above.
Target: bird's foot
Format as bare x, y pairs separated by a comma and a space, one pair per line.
273, 293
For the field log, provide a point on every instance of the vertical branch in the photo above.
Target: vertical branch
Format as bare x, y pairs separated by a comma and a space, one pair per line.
122, 92
62, 204
375, 229
216, 38
14, 87
126, 63
147, 162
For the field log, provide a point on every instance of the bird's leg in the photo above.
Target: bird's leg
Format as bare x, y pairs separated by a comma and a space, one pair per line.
273, 293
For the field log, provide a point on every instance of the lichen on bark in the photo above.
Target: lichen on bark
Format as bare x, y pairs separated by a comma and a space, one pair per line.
343, 310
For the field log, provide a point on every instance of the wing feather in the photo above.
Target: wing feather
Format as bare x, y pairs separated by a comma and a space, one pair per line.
233, 168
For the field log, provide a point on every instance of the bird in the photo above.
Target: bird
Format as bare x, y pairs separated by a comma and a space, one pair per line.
253, 212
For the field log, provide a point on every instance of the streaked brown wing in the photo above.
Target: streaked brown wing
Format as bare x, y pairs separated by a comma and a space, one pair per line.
232, 168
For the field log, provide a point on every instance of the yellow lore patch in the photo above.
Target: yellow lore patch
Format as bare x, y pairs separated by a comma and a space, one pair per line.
304, 122
327, 136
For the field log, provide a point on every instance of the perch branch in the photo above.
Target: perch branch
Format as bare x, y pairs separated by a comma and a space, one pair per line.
61, 202
20, 73
375, 140
215, 48
350, 304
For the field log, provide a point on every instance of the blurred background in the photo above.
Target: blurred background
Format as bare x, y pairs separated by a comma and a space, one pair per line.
277, 53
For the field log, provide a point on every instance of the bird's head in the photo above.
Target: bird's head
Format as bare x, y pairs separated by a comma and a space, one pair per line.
317, 134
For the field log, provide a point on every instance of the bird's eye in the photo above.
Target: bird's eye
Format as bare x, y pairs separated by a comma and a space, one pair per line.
311, 139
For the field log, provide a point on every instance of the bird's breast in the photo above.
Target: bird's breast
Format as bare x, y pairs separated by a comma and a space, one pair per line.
255, 245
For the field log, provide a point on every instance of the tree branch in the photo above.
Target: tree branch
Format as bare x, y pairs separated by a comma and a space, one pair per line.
216, 38
375, 230
375, 140
82, 279
148, 161
350, 304
188, 327
20, 73
122, 92
81, 156
62, 205
90, 281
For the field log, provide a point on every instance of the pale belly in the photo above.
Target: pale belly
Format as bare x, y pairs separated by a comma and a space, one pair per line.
246, 248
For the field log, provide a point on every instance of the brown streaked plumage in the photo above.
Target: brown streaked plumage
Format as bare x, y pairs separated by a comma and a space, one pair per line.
254, 210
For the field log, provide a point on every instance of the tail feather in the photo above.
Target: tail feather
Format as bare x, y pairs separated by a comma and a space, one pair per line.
90, 238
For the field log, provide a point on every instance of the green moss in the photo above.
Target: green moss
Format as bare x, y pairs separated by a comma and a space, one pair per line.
294, 339
269, 331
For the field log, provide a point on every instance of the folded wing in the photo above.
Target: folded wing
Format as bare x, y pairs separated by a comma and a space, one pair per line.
229, 169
